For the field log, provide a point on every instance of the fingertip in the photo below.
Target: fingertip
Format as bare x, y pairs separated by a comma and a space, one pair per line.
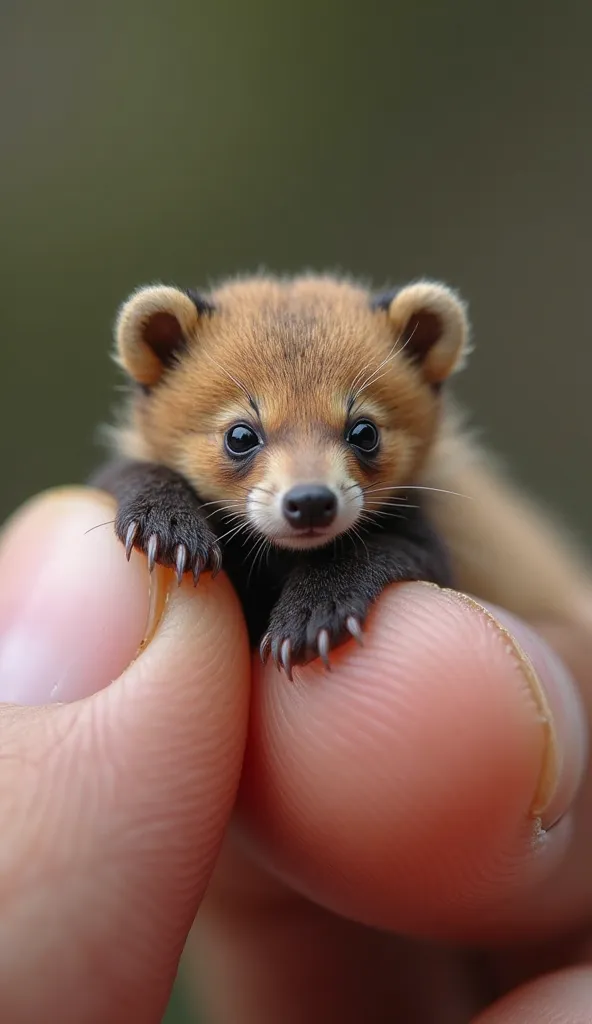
72, 611
411, 769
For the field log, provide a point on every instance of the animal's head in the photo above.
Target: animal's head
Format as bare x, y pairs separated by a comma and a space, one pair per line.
299, 405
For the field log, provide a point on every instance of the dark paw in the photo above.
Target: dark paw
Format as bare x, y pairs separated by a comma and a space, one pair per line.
301, 632
179, 539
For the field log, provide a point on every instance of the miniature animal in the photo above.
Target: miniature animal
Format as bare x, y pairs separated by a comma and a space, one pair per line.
299, 433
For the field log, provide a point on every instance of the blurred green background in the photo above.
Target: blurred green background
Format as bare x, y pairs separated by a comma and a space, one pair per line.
184, 141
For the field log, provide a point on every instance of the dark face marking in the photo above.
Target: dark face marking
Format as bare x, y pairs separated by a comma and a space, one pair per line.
203, 306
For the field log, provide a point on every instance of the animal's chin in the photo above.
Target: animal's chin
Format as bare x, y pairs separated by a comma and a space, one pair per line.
303, 540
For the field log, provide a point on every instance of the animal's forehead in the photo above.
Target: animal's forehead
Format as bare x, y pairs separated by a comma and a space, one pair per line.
308, 331
300, 296
301, 341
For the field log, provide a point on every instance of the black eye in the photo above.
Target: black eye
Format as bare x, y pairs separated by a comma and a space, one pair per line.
363, 435
241, 439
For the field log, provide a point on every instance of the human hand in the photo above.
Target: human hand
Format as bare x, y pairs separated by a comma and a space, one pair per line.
113, 802
418, 788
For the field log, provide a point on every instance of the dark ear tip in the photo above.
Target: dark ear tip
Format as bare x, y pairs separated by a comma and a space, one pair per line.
203, 306
382, 301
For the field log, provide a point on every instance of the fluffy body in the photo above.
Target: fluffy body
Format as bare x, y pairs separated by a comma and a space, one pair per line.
300, 362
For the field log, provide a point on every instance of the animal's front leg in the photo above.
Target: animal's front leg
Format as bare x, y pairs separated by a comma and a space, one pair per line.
325, 600
160, 514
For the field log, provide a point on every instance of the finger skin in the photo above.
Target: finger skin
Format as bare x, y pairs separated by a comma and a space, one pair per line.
398, 790
564, 997
114, 809
72, 611
362, 788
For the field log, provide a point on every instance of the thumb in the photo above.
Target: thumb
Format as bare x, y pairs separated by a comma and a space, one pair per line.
114, 795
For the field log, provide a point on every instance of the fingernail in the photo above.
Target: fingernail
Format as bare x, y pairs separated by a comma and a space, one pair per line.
73, 612
559, 709
160, 586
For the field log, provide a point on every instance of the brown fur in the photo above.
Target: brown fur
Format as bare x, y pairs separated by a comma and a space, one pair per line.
298, 347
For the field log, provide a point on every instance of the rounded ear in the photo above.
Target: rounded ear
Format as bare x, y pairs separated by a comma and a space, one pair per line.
152, 327
432, 323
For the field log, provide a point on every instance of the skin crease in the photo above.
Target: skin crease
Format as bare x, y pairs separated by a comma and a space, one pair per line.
397, 790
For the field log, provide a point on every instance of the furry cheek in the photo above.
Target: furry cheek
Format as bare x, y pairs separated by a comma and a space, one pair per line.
204, 464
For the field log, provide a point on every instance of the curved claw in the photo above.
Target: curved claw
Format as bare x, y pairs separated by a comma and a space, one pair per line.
215, 560
152, 551
265, 648
324, 646
180, 562
353, 626
130, 538
286, 658
276, 650
197, 571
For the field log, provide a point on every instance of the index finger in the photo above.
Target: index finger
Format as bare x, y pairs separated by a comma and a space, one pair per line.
414, 787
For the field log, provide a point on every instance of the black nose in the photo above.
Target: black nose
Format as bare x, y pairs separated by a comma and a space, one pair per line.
309, 505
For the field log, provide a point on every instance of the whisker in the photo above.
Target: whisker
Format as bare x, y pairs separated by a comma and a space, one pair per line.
415, 487
388, 495
205, 504
382, 502
367, 519
359, 375
256, 538
439, 490
233, 516
225, 508
377, 369
356, 393
371, 379
236, 506
357, 534
233, 531
388, 515
109, 522
263, 547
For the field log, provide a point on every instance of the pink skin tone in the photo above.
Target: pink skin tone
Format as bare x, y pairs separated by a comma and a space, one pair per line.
433, 785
